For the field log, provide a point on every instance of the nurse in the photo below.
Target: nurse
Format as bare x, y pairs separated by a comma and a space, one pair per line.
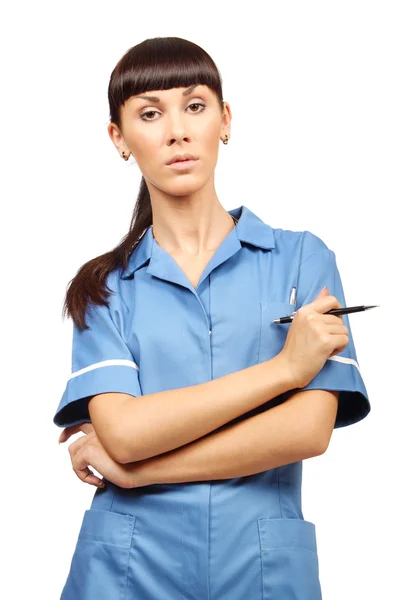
198, 410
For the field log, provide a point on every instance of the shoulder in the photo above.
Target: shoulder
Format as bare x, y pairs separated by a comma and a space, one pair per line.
302, 244
112, 282
113, 287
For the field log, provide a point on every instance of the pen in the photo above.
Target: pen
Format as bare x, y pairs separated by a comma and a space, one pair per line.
335, 311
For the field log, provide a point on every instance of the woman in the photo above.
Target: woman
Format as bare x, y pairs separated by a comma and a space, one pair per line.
198, 410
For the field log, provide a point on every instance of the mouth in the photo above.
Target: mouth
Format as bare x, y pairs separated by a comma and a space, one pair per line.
183, 164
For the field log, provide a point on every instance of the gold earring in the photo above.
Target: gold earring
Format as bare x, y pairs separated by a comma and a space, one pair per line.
225, 141
124, 156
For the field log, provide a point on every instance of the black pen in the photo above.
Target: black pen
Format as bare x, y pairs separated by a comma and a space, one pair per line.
335, 311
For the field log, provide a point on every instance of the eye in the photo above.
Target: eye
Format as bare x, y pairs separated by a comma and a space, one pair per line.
149, 112
154, 112
198, 104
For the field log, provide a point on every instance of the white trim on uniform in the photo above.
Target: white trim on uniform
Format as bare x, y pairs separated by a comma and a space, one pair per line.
343, 359
114, 362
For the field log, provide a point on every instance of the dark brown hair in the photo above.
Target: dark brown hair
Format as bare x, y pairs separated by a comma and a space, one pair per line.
158, 63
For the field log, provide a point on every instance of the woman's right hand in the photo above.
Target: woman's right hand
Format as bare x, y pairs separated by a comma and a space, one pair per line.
312, 338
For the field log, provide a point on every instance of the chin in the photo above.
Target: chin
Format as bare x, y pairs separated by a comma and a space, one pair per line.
183, 186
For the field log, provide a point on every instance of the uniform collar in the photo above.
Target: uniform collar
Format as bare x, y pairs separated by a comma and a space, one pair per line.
250, 229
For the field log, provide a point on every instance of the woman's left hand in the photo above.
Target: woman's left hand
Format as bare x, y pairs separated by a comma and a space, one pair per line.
87, 450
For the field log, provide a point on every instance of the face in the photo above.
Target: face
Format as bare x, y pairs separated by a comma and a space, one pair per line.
157, 125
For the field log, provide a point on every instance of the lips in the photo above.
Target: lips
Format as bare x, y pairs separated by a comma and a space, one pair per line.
183, 165
181, 158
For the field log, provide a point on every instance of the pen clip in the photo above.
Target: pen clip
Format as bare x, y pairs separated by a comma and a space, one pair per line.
292, 299
285, 319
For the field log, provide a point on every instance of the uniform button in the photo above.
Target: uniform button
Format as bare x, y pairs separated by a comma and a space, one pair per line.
209, 331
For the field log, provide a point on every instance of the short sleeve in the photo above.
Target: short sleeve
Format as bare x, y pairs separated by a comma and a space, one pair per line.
101, 362
341, 372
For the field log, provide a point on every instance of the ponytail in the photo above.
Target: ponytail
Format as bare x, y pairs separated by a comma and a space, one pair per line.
155, 64
89, 284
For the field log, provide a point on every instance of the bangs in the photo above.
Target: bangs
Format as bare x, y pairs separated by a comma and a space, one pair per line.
159, 64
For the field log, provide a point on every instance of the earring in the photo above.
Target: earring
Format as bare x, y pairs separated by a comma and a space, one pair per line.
226, 139
124, 156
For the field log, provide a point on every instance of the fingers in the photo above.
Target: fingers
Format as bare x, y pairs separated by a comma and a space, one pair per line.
72, 429
332, 319
328, 319
334, 324
84, 473
78, 444
78, 451
324, 303
341, 346
337, 330
328, 326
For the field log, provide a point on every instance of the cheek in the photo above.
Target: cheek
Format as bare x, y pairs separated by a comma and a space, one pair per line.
208, 134
147, 155
207, 143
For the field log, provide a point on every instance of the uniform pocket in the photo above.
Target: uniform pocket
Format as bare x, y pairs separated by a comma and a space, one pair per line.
289, 559
272, 335
99, 566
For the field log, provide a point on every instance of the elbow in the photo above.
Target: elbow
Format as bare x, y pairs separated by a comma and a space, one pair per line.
322, 442
113, 445
118, 454
324, 435
113, 441
317, 441
128, 453
321, 448
114, 430
312, 448
119, 449
123, 449
135, 445
118, 443
123, 457
320, 428
108, 416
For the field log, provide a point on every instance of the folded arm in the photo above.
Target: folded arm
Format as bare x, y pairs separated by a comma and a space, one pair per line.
136, 428
298, 429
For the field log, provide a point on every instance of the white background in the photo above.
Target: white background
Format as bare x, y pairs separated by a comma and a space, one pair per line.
314, 91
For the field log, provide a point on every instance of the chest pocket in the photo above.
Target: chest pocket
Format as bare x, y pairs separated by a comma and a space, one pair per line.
273, 335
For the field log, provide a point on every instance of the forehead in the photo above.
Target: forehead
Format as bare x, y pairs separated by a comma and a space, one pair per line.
173, 93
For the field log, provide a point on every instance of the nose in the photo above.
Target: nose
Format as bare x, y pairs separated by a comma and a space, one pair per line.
177, 128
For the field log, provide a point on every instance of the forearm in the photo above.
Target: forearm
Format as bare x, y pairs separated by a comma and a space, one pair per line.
157, 423
282, 435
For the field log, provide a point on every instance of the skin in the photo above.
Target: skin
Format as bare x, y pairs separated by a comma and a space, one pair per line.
192, 461
188, 221
188, 218
87, 450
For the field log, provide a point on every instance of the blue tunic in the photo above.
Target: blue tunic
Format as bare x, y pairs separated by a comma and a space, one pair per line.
230, 539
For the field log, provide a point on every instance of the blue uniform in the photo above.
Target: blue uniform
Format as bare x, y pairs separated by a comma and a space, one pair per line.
230, 539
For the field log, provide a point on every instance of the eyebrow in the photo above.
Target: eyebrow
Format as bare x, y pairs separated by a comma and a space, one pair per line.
157, 99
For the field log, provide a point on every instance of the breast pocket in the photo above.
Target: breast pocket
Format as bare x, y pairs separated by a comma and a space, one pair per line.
272, 335
289, 559
99, 566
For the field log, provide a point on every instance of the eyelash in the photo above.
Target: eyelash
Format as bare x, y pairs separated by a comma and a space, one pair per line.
155, 112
